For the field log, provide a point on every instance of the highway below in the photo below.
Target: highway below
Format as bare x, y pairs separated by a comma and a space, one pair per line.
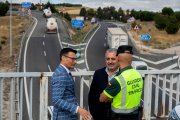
42, 54
156, 61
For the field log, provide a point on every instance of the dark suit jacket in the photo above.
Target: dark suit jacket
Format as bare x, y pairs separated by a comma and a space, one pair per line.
63, 95
98, 109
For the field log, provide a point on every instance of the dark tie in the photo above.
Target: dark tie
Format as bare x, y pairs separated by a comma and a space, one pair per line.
70, 74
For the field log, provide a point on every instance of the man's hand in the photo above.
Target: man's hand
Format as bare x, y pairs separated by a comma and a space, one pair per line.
84, 114
104, 98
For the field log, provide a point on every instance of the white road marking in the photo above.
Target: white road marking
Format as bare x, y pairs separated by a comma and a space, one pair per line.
79, 49
78, 69
44, 35
60, 43
158, 62
24, 69
72, 45
171, 66
87, 47
44, 53
80, 61
49, 68
86, 82
43, 43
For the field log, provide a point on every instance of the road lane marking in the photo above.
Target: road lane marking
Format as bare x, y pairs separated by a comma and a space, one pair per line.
72, 45
43, 43
24, 69
49, 68
158, 62
80, 61
44, 53
60, 43
171, 66
87, 66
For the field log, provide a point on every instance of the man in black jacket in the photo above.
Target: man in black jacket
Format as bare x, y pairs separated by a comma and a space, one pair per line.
101, 78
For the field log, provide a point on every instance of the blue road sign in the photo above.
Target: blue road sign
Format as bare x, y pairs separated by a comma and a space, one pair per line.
77, 23
145, 37
26, 4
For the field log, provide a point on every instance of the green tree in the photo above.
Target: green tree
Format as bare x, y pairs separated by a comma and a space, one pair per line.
160, 21
135, 14
49, 5
177, 14
106, 13
91, 13
83, 12
120, 14
127, 12
167, 11
33, 7
67, 16
172, 25
99, 13
146, 16
4, 7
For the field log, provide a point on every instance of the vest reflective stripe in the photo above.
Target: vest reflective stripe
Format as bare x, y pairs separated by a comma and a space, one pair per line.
116, 110
123, 86
128, 99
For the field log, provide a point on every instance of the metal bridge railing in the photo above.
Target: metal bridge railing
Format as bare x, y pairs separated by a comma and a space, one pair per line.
161, 94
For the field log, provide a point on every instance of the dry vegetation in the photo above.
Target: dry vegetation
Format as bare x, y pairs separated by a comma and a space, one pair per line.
69, 10
19, 24
160, 39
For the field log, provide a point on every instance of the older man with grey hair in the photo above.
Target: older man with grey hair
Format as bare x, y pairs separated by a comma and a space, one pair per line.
101, 78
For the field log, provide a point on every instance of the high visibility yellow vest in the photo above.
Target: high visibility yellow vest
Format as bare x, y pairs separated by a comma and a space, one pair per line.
128, 99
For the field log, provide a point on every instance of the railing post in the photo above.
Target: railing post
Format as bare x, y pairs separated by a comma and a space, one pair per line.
1, 98
147, 97
81, 93
43, 98
11, 98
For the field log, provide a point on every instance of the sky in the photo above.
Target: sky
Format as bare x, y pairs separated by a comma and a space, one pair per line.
149, 5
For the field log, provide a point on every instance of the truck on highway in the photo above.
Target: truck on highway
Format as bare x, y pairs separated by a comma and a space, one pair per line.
116, 37
47, 13
51, 25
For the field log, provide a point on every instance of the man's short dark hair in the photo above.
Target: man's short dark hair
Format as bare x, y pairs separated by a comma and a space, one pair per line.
125, 49
65, 51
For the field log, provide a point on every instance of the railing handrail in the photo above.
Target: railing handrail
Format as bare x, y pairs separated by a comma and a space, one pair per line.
76, 73
158, 79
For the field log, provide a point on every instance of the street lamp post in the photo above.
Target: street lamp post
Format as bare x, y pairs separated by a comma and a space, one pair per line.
10, 35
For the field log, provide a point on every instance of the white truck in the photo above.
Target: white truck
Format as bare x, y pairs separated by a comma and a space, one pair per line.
51, 25
116, 37
47, 13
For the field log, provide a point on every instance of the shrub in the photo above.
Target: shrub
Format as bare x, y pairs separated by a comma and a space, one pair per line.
160, 21
172, 25
172, 28
4, 7
3, 42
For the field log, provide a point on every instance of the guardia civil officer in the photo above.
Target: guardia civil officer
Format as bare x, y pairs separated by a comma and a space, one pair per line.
125, 89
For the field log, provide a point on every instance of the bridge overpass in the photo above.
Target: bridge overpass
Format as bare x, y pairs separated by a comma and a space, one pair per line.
160, 95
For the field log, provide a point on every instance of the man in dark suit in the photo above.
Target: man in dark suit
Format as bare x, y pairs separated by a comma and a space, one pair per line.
63, 94
101, 78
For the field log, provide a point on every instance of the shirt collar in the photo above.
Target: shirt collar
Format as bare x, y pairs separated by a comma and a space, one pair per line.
68, 71
126, 68
114, 73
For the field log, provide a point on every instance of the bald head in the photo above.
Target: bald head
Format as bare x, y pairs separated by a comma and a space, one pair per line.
125, 59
